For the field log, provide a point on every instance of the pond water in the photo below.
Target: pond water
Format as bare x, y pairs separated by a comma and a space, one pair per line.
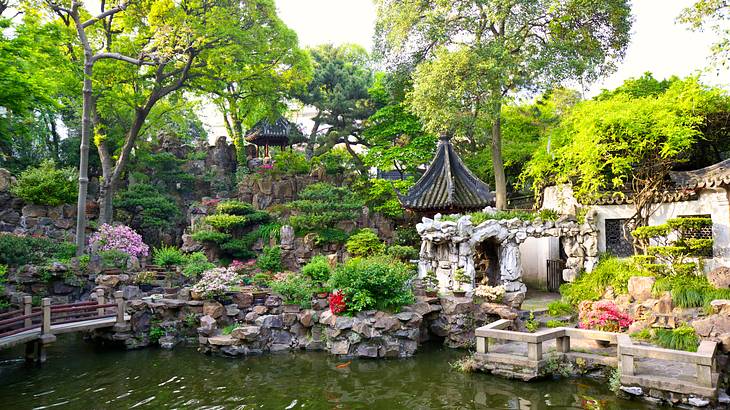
79, 375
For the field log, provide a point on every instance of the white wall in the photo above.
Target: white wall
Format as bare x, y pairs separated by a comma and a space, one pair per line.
534, 254
713, 202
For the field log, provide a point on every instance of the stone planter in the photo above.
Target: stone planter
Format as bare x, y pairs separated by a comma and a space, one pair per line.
459, 293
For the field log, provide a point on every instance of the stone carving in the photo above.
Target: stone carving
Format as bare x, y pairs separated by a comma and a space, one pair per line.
449, 245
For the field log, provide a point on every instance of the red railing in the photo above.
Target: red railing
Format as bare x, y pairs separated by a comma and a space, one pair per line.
28, 317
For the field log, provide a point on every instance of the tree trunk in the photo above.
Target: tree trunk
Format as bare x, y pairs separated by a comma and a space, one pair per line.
84, 148
312, 137
500, 181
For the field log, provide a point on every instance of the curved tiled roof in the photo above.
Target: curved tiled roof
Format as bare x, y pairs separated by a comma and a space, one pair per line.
715, 175
621, 198
265, 132
447, 185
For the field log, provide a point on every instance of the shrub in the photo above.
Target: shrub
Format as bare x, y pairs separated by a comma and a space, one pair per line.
3, 279
531, 324
337, 302
365, 243
147, 209
121, 238
318, 269
239, 248
211, 236
690, 290
16, 250
548, 214
330, 235
291, 163
47, 185
334, 161
406, 235
373, 283
270, 260
168, 256
323, 205
681, 338
261, 280
602, 315
610, 271
226, 222
553, 323
295, 290
195, 264
403, 253
215, 282
113, 258
233, 207
560, 308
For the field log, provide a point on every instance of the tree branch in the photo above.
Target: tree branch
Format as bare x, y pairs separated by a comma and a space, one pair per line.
105, 14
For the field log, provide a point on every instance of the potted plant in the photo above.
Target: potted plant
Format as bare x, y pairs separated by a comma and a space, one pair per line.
460, 278
431, 283
144, 280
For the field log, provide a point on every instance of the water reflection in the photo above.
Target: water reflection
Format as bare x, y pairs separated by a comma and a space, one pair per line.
83, 376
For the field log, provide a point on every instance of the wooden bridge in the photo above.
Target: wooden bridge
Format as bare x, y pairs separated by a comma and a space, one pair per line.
37, 327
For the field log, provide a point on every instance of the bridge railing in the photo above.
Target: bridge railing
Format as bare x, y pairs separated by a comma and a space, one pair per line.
47, 315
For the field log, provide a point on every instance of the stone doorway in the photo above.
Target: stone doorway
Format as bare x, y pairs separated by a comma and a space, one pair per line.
486, 262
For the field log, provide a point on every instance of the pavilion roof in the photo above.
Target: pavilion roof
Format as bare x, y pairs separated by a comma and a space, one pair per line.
713, 176
447, 185
266, 132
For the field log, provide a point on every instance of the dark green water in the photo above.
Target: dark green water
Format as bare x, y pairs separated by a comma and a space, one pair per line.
79, 375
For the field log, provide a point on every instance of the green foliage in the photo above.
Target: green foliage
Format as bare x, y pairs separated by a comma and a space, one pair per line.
365, 243
3, 280
20, 250
145, 209
291, 163
681, 338
553, 323
693, 290
330, 235
614, 380
323, 205
380, 195
548, 214
168, 256
560, 308
195, 264
261, 280
406, 235
610, 271
531, 324
335, 161
710, 14
295, 290
47, 185
270, 260
402, 253
228, 329
113, 259
373, 283
479, 217
318, 269
211, 236
239, 248
226, 222
233, 207
156, 332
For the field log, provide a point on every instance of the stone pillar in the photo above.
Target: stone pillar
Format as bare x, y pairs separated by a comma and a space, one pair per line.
100, 301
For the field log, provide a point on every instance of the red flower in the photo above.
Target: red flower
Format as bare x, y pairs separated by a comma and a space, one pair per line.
337, 302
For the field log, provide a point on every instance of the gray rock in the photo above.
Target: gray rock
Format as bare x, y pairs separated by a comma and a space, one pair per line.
340, 347
232, 310
364, 350
270, 321
248, 333
698, 401
131, 292
634, 391
281, 337
208, 326
168, 342
344, 322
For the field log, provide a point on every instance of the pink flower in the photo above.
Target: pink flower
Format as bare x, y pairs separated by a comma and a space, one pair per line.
603, 315
119, 238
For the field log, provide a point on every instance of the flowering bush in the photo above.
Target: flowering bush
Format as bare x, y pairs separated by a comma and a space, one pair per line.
215, 282
241, 266
490, 293
602, 315
337, 302
119, 238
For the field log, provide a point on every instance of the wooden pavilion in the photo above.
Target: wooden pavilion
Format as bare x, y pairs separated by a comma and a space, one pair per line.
266, 133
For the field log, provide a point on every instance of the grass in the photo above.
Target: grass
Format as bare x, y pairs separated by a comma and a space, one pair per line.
611, 271
560, 308
681, 338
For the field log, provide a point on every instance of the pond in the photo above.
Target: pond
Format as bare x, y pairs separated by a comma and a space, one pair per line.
79, 375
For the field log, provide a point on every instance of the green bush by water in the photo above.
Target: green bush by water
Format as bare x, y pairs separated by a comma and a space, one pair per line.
318, 269
295, 290
378, 282
19, 250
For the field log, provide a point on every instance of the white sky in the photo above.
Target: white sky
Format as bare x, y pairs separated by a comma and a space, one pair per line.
658, 44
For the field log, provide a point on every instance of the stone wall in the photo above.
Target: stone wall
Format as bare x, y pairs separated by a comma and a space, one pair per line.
264, 324
450, 245
19, 217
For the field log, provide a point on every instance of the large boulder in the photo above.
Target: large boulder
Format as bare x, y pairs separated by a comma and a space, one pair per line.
720, 277
248, 333
213, 309
640, 287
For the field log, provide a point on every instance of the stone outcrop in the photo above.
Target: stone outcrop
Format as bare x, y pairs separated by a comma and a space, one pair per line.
720, 277
449, 245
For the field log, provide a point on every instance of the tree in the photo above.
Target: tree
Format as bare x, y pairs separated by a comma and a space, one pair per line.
395, 137
75, 16
339, 94
473, 55
626, 145
248, 86
714, 14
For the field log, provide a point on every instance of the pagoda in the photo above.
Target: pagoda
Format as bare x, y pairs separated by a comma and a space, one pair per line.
447, 186
266, 133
